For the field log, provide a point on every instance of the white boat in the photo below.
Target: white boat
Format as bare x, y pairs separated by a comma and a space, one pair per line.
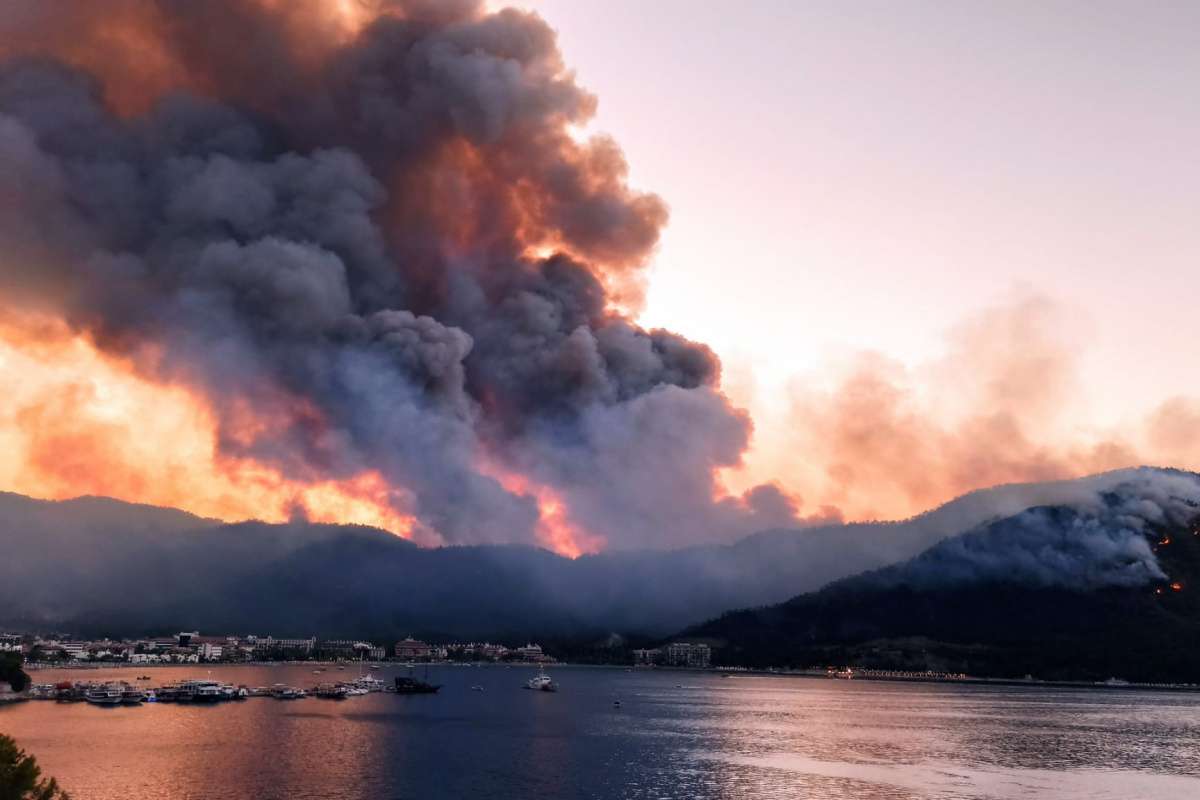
42, 691
365, 683
368, 683
109, 695
203, 691
541, 682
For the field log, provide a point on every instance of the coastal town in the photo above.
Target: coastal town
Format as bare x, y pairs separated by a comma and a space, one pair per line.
192, 647
331, 659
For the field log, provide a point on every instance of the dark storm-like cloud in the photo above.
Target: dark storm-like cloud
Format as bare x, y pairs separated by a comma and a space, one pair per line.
387, 251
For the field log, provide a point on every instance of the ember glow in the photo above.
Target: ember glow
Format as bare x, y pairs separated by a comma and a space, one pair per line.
555, 528
79, 422
369, 261
363, 249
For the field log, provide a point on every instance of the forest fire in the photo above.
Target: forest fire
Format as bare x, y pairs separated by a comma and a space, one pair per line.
555, 529
325, 253
77, 421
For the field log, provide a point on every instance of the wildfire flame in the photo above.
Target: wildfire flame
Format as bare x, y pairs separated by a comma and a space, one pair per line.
77, 421
555, 530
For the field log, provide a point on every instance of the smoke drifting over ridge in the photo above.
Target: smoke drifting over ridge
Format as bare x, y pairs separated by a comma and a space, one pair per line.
1005, 402
1099, 540
369, 241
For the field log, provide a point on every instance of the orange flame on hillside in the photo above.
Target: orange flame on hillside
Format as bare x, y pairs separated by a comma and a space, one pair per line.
555, 530
76, 421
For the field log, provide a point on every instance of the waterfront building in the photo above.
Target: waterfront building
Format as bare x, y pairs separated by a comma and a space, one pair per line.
344, 648
493, 652
646, 656
684, 654
531, 652
76, 650
411, 649
209, 651
296, 648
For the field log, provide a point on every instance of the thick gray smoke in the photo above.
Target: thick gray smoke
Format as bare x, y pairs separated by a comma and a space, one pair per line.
1101, 537
334, 237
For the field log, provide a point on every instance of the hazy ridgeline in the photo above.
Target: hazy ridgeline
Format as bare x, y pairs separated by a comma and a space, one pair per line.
1088, 589
97, 565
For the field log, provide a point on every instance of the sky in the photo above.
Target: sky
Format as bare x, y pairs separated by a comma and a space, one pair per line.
847, 177
934, 247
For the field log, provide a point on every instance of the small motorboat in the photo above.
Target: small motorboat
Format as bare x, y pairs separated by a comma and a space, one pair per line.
541, 682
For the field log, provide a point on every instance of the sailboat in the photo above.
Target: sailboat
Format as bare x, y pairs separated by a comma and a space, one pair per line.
366, 683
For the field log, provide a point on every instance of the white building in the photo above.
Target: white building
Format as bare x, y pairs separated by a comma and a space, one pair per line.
209, 651
76, 650
145, 658
646, 656
530, 652
683, 654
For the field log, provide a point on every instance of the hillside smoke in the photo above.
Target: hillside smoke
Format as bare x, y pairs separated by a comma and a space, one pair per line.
372, 243
1100, 538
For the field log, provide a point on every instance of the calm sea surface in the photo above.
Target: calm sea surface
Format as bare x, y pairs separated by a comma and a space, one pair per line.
675, 735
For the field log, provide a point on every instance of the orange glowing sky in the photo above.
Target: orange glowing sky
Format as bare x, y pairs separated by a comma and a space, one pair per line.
77, 422
873, 178
931, 257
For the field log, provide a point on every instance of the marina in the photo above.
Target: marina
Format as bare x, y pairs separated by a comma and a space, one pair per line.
206, 691
609, 734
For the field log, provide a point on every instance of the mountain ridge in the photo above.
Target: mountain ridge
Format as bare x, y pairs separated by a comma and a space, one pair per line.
101, 572
1066, 591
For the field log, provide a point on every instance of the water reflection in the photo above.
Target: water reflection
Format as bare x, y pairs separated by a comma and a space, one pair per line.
672, 737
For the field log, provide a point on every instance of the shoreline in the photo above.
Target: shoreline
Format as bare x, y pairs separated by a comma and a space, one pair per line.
731, 672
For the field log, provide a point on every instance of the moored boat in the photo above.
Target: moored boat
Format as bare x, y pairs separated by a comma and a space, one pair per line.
281, 692
368, 683
406, 684
104, 695
329, 691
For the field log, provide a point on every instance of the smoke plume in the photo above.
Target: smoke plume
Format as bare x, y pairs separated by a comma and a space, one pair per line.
1100, 539
366, 237
1005, 403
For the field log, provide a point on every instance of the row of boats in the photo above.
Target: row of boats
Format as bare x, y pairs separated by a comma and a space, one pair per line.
120, 693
